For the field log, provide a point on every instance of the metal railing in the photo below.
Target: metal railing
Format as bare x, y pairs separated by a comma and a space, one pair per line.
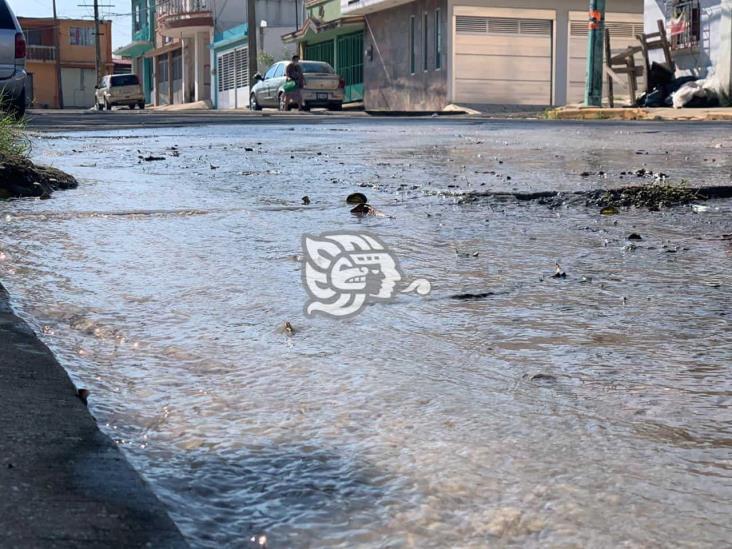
40, 53
683, 18
167, 8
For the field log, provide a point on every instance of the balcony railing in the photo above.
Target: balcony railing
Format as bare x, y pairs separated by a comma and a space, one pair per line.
167, 8
40, 53
176, 17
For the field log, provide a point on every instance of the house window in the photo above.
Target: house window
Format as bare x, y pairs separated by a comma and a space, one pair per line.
438, 41
412, 40
34, 37
684, 23
425, 38
137, 17
81, 36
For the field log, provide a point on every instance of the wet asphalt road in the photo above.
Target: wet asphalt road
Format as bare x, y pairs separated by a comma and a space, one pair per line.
162, 285
88, 120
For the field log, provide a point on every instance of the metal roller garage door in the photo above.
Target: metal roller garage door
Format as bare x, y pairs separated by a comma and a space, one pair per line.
623, 31
503, 60
232, 69
78, 87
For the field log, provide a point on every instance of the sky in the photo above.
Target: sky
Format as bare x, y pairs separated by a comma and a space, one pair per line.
118, 14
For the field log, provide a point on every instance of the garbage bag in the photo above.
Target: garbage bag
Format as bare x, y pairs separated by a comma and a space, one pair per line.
659, 75
686, 93
654, 99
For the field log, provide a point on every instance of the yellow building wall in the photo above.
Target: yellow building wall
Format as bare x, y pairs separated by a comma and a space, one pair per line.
44, 84
85, 55
45, 87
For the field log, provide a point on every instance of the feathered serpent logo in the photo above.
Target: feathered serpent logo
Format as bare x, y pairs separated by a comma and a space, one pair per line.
346, 271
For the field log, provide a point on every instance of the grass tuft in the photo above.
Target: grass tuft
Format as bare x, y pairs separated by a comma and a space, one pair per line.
13, 141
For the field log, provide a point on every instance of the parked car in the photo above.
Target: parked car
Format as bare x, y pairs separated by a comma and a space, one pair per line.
119, 89
323, 87
12, 63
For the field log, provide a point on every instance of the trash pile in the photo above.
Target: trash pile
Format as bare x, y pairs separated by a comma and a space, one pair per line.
683, 92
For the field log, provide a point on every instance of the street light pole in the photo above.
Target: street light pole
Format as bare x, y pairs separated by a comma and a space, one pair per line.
57, 44
595, 37
251, 40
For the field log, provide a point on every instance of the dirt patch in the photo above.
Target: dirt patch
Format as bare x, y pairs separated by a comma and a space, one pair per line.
19, 178
651, 197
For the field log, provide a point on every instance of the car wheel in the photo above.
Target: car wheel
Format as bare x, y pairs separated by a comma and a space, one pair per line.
335, 107
284, 104
107, 105
253, 105
141, 106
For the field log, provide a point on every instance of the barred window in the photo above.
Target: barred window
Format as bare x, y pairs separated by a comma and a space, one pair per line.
684, 23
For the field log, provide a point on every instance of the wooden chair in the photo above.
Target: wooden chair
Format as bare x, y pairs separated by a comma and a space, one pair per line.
656, 41
622, 63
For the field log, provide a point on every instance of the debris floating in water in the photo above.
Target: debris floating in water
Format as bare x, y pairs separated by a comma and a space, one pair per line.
558, 272
83, 395
356, 198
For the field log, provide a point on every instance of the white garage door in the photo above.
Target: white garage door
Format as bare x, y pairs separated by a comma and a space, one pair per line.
78, 86
232, 68
623, 31
503, 60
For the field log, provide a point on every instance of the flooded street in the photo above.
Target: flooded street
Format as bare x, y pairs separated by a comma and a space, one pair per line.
590, 411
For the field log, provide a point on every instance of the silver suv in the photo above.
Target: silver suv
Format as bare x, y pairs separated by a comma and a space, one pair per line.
119, 89
12, 63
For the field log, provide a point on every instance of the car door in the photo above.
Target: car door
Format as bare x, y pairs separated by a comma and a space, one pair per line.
263, 94
277, 81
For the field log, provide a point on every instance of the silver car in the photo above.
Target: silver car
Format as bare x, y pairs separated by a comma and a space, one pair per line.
12, 62
323, 87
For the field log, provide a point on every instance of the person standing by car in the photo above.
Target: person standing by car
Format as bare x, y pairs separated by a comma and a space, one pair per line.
295, 73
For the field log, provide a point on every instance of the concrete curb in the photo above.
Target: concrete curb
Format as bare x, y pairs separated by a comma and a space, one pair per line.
64, 483
597, 113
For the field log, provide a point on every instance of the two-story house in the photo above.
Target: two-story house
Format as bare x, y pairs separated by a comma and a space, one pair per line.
76, 57
196, 49
143, 40
427, 54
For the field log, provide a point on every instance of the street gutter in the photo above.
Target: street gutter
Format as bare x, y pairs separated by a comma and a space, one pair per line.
64, 483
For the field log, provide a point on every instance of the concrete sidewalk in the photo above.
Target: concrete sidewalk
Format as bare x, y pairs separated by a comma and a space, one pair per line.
627, 113
63, 482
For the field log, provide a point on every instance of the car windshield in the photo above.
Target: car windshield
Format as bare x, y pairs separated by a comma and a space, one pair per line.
125, 80
314, 67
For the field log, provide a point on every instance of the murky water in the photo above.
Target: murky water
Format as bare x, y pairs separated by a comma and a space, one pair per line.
163, 287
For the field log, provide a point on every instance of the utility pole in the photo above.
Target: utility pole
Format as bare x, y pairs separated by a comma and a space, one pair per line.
57, 55
251, 40
97, 41
595, 37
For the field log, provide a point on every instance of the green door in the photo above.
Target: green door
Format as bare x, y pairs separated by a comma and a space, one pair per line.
322, 51
350, 64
